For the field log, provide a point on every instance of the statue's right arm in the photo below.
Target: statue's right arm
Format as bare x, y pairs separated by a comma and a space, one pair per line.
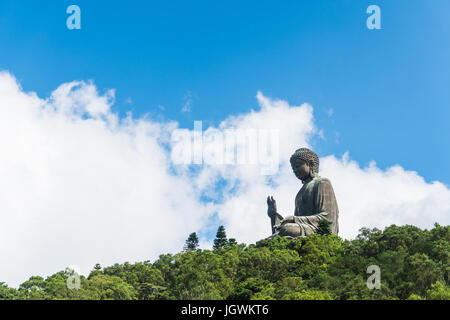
272, 208
275, 217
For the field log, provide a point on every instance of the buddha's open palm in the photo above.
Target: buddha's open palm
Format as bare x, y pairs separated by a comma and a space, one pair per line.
271, 207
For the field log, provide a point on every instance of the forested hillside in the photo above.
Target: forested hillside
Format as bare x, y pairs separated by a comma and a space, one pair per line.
414, 264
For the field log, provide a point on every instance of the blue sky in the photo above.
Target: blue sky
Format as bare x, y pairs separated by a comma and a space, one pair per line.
388, 88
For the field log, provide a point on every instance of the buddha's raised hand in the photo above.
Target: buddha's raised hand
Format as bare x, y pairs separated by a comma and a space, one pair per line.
271, 207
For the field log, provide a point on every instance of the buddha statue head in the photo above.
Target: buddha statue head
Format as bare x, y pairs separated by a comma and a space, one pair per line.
305, 164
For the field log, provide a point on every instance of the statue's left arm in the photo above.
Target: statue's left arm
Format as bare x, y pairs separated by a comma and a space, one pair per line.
325, 207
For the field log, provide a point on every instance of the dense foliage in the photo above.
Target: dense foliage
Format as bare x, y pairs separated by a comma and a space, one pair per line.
414, 264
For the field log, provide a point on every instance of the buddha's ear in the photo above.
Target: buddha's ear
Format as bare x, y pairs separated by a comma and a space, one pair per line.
311, 165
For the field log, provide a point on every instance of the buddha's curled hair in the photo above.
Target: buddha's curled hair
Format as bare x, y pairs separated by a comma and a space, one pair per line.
306, 155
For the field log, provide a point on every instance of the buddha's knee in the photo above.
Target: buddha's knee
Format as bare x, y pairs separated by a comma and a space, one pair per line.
290, 230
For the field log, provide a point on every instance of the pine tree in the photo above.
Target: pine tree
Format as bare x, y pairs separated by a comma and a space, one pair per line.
221, 238
191, 242
324, 227
232, 241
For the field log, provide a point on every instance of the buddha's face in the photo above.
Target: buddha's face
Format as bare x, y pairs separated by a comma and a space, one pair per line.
301, 169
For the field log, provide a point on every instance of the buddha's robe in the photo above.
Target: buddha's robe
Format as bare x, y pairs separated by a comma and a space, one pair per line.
315, 201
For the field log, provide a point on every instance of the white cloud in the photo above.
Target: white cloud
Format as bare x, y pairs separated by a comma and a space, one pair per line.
79, 186
371, 197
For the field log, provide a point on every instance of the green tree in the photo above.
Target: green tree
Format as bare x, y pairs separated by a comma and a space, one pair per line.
438, 291
246, 289
201, 275
191, 242
105, 287
324, 227
146, 279
35, 282
420, 272
7, 293
33, 288
221, 238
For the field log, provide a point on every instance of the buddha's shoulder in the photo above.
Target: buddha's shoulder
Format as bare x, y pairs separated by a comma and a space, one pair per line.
322, 180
